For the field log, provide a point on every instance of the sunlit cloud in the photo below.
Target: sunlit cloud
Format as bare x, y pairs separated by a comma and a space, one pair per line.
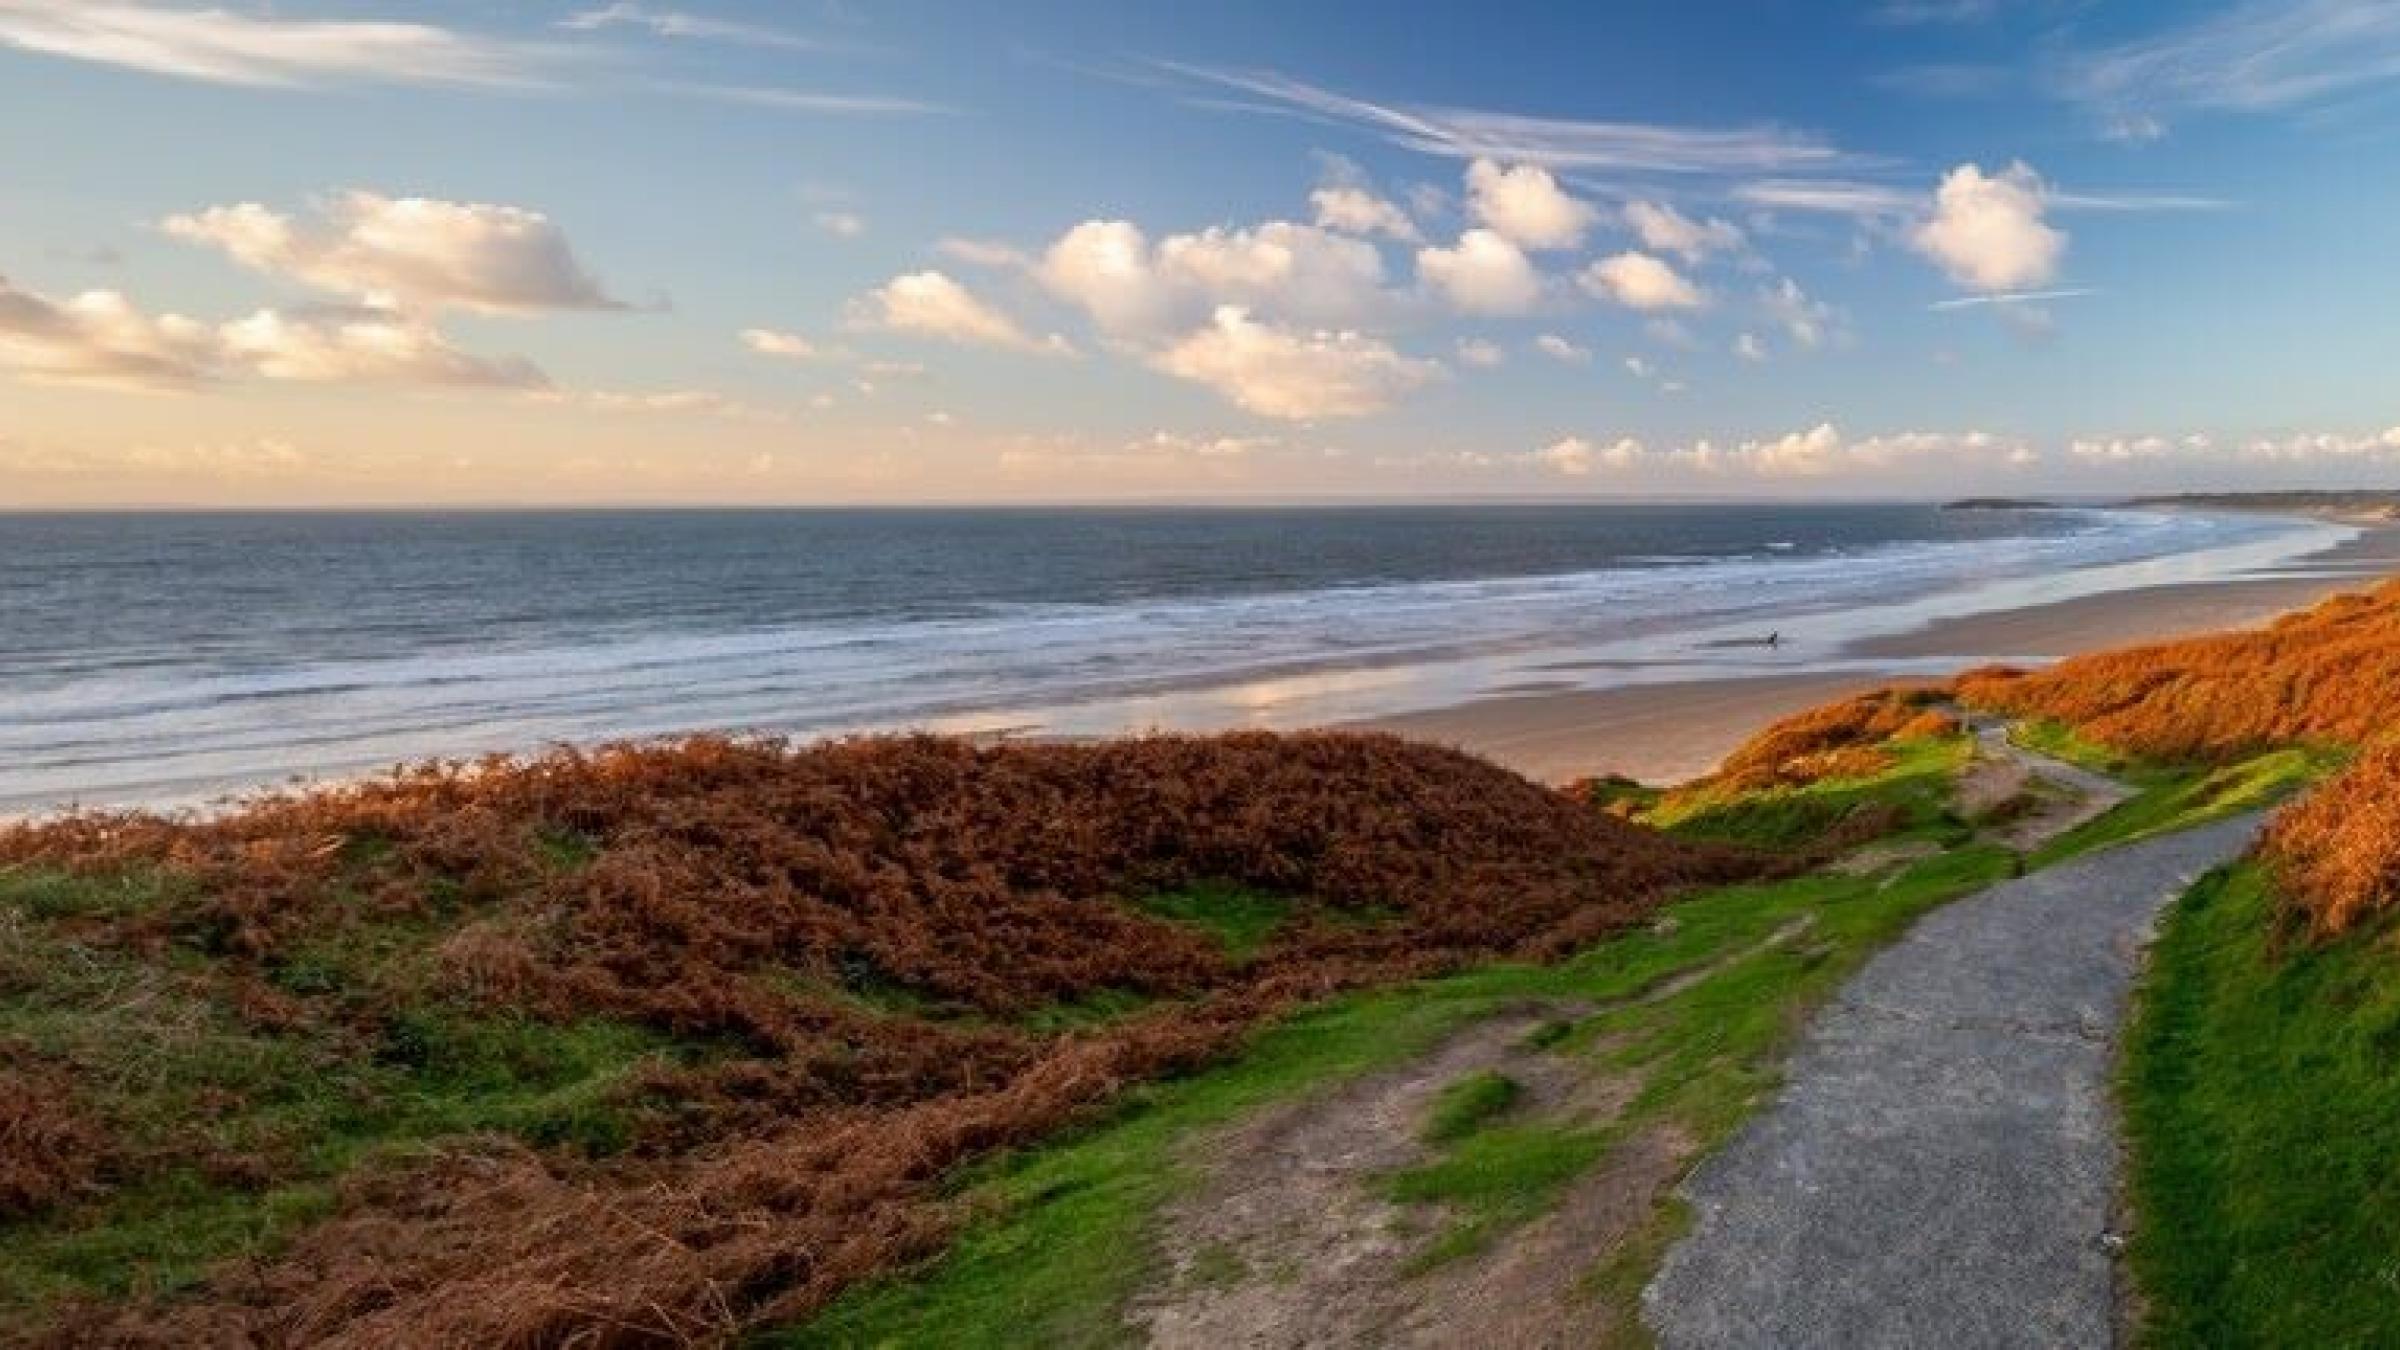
222, 46
1291, 375
407, 253
931, 304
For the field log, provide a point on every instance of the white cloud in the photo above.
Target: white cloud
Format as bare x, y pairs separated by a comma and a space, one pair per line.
1822, 451
1275, 372
1481, 353
1352, 209
1560, 349
1807, 322
101, 339
2009, 298
1828, 196
379, 348
1557, 143
1578, 458
223, 46
789, 346
1668, 230
670, 23
1484, 274
2252, 57
841, 224
1987, 231
930, 304
408, 253
808, 100
1525, 204
1639, 281
1278, 268
1749, 348
2325, 445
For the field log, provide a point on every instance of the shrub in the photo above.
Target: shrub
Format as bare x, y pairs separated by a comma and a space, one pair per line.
2335, 854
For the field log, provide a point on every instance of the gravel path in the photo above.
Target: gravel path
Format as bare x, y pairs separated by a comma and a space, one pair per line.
1941, 1166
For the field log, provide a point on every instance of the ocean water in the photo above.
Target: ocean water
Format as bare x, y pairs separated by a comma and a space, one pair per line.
168, 659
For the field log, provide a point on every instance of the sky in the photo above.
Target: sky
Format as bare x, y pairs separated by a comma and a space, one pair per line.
325, 252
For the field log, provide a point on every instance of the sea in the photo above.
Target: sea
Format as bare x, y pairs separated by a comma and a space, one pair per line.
171, 659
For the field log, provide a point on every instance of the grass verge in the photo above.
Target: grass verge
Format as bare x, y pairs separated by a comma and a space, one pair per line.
1056, 1250
1914, 792
2172, 798
2264, 1108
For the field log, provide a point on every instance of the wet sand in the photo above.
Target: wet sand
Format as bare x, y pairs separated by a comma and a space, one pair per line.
1664, 733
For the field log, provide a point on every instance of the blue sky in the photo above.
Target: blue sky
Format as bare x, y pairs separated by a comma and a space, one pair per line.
687, 251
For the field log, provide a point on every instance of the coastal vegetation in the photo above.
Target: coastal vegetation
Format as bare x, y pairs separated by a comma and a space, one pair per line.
911, 1039
2260, 1085
662, 1042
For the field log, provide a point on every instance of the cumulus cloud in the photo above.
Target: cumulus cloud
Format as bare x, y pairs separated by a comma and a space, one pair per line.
1525, 204
1579, 458
1277, 372
1484, 274
1639, 281
1987, 230
408, 253
931, 304
841, 224
1823, 451
1667, 230
1355, 209
1560, 349
372, 347
102, 339
1749, 348
224, 46
1304, 273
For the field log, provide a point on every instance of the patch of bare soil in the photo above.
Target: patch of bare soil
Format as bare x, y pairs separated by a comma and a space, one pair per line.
1530, 1290
1291, 1241
2024, 799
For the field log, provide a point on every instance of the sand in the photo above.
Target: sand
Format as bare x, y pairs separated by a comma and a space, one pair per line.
1665, 733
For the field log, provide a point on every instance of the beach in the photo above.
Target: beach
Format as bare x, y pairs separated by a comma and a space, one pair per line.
1561, 641
1670, 731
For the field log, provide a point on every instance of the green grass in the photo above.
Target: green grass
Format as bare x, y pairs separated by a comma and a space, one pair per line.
1241, 920
245, 1128
1918, 784
2173, 799
1062, 1237
1493, 1179
2262, 1091
2059, 741
1468, 1105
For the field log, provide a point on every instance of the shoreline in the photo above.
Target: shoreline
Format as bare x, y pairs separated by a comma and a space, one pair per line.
1671, 731
1661, 714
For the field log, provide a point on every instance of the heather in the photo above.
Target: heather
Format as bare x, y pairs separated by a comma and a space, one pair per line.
654, 1043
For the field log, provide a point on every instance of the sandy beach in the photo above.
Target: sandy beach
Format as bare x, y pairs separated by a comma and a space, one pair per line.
1665, 733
